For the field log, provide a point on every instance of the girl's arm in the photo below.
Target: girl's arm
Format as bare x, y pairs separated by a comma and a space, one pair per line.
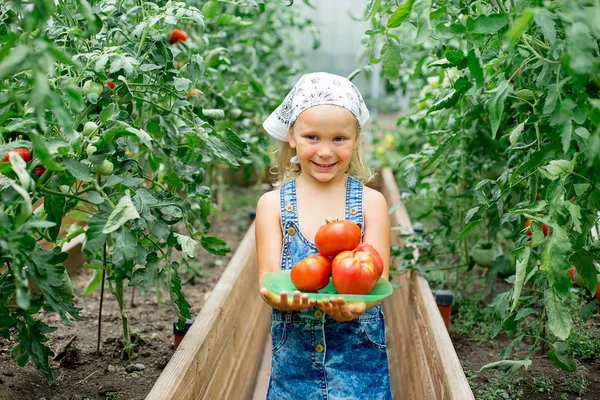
269, 242
377, 234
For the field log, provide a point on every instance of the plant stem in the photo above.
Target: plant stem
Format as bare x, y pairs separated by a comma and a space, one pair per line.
70, 196
101, 301
119, 293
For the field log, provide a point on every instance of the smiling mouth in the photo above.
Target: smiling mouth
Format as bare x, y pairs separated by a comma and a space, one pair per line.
324, 165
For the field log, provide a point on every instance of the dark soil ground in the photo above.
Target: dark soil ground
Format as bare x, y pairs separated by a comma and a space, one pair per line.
80, 373
541, 381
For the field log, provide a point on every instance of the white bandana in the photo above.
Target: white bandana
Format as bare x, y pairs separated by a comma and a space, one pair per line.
312, 90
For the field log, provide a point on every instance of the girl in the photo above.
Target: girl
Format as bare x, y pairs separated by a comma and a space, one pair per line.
333, 349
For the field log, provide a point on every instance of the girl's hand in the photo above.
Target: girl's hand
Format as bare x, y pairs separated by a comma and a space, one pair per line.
338, 309
283, 303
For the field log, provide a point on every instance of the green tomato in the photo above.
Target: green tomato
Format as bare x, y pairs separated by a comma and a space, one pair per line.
92, 87
89, 128
485, 253
106, 168
90, 149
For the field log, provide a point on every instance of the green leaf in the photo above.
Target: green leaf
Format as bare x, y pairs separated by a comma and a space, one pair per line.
558, 169
472, 225
232, 20
182, 84
31, 337
554, 259
161, 230
469, 214
180, 304
575, 212
495, 105
535, 161
581, 188
509, 366
391, 59
559, 316
516, 133
124, 253
14, 62
215, 245
43, 152
123, 212
519, 26
449, 98
94, 197
588, 310
108, 113
93, 234
584, 262
147, 275
523, 254
19, 167
486, 24
372, 9
188, 245
210, 8
561, 357
543, 18
94, 282
400, 15
78, 169
581, 47
475, 67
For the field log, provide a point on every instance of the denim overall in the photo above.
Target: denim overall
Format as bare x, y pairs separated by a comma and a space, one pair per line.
314, 356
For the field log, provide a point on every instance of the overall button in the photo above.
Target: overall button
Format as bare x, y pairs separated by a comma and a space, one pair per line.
319, 348
291, 230
353, 211
289, 208
318, 314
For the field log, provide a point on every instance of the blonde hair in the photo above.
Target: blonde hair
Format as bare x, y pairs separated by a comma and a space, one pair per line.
285, 170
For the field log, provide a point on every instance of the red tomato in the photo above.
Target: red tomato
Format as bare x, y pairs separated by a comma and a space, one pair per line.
110, 84
598, 292
353, 272
24, 153
337, 236
571, 272
529, 233
39, 170
178, 36
367, 248
311, 273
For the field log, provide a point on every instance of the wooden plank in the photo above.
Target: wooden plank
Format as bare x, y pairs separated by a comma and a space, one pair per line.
262, 379
244, 378
451, 375
190, 369
423, 363
229, 370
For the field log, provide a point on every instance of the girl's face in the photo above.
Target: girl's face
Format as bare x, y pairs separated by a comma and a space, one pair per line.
324, 137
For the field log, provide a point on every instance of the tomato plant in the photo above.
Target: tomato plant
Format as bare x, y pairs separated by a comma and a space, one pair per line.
311, 273
503, 125
129, 161
354, 272
337, 236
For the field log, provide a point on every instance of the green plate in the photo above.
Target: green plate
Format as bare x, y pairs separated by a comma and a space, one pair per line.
278, 281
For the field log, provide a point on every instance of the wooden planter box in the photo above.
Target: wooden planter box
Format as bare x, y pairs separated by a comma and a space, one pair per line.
221, 354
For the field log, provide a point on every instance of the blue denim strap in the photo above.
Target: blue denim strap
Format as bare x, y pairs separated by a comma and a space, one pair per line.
288, 204
354, 202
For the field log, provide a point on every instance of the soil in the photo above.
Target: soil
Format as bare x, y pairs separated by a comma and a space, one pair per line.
474, 355
79, 373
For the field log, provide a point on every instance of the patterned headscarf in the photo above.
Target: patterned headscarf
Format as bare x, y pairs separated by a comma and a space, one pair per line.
312, 90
